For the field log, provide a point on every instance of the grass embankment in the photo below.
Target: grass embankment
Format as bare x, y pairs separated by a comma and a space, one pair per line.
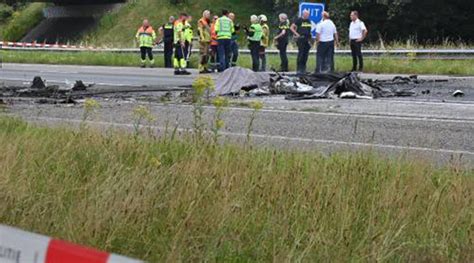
374, 65
22, 22
118, 28
176, 200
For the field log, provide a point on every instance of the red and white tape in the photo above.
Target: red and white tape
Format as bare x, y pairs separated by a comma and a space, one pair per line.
18, 246
41, 45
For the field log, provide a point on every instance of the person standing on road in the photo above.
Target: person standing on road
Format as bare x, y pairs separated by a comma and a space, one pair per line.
254, 36
357, 33
166, 32
224, 29
301, 30
179, 46
146, 38
282, 41
188, 37
214, 44
204, 28
327, 39
265, 42
234, 45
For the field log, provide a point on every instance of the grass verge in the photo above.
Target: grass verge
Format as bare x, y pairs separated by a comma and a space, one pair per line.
463, 67
176, 200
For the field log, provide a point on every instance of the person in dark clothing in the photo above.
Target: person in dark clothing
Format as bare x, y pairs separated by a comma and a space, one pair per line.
357, 33
301, 30
234, 44
166, 32
282, 41
254, 36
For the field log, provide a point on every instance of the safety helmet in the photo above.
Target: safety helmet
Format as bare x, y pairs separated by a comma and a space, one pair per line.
263, 18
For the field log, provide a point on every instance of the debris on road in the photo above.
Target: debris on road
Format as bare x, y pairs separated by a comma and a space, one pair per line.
79, 86
235, 79
349, 86
312, 86
51, 94
458, 93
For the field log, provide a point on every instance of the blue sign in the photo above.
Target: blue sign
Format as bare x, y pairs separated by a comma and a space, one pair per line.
315, 14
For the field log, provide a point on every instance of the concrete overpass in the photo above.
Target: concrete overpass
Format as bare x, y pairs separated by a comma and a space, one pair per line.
67, 20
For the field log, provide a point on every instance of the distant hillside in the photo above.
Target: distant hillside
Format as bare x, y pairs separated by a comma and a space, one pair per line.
118, 28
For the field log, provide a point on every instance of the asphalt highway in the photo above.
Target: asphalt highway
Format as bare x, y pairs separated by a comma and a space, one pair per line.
433, 129
101, 76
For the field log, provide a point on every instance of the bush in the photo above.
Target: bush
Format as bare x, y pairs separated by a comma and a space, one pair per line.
5, 12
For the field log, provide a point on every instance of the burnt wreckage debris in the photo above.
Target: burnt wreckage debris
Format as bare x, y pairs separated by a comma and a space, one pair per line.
236, 80
345, 86
47, 93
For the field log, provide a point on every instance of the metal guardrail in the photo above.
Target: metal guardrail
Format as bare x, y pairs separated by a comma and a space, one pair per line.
392, 52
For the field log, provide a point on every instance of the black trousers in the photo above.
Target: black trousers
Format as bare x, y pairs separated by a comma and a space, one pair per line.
303, 53
325, 57
282, 46
168, 54
186, 50
254, 47
146, 51
356, 50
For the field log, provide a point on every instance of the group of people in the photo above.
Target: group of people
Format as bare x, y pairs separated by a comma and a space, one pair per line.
219, 48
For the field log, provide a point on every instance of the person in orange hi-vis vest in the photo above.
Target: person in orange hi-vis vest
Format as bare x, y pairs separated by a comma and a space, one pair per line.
146, 38
214, 59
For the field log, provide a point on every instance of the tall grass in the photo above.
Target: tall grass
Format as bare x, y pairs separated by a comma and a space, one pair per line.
387, 64
22, 22
168, 199
118, 28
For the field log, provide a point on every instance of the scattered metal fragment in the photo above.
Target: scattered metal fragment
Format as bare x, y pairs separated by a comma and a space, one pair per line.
458, 94
38, 83
79, 86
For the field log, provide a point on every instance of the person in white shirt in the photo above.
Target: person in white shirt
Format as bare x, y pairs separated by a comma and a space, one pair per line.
357, 33
327, 39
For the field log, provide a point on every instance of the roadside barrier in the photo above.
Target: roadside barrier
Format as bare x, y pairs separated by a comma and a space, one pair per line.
410, 53
18, 246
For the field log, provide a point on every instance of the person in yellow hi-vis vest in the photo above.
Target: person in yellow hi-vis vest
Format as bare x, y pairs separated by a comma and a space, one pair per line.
254, 36
224, 28
265, 42
146, 38
188, 38
204, 28
180, 45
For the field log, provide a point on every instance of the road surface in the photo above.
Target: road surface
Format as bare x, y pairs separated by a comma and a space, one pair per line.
432, 128
102, 76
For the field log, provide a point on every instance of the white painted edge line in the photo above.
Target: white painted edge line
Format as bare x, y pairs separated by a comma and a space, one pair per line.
271, 137
357, 115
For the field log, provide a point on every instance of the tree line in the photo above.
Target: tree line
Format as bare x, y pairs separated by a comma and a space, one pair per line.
422, 21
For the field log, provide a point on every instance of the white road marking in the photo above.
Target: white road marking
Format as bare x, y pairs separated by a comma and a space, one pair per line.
357, 115
271, 137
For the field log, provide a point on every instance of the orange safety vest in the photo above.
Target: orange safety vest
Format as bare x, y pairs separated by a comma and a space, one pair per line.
213, 35
146, 37
204, 34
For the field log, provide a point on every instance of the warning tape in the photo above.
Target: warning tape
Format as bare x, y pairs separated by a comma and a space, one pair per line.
18, 246
41, 45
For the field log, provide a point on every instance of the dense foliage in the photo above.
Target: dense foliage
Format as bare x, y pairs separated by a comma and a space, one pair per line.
424, 21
